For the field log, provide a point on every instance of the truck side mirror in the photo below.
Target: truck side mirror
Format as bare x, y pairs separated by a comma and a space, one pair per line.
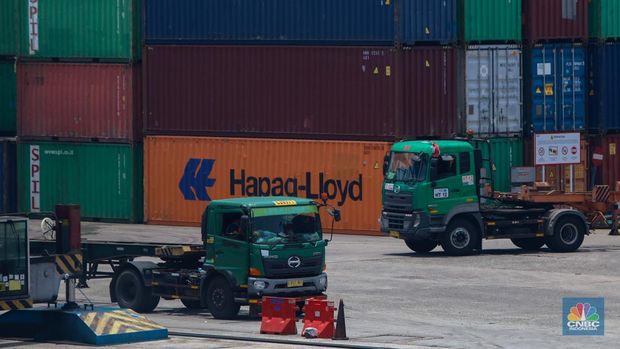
244, 223
386, 163
434, 168
334, 212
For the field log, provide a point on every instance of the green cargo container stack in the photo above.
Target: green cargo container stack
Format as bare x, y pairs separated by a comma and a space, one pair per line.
496, 21
604, 19
8, 91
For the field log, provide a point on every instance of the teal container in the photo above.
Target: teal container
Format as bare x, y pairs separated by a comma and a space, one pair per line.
8, 28
8, 98
604, 19
104, 179
493, 21
506, 153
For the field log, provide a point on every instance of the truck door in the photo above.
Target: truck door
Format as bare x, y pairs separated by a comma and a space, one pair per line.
447, 185
229, 249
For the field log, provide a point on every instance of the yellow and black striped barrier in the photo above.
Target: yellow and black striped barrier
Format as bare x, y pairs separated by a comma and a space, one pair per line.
69, 263
118, 322
16, 304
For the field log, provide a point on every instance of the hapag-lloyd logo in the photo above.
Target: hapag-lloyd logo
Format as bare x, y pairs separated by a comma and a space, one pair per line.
195, 182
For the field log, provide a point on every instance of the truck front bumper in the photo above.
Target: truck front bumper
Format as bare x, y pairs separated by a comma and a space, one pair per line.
414, 225
267, 287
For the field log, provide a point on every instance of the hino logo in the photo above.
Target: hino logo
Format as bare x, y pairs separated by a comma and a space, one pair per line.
195, 180
294, 262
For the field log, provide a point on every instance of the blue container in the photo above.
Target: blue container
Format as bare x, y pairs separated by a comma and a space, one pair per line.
8, 176
604, 101
557, 88
259, 22
423, 21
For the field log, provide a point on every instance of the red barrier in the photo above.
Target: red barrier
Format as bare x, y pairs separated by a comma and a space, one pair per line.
279, 316
319, 314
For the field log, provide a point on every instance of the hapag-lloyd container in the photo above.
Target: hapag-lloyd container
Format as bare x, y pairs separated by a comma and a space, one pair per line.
604, 95
427, 21
490, 20
556, 90
608, 148
8, 27
183, 174
78, 29
493, 90
79, 102
104, 179
429, 92
259, 22
604, 19
555, 20
8, 96
8, 176
270, 91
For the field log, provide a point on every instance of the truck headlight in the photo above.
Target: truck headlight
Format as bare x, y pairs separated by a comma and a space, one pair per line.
417, 221
259, 285
323, 281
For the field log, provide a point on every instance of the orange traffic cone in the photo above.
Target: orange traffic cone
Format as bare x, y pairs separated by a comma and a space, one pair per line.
341, 327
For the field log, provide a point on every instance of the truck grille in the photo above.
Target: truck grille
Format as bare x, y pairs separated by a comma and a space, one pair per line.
277, 268
398, 203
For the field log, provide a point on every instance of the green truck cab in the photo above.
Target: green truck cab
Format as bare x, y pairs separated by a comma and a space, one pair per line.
433, 194
252, 247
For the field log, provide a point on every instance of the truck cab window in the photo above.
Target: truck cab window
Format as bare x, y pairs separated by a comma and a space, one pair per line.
465, 163
231, 227
446, 166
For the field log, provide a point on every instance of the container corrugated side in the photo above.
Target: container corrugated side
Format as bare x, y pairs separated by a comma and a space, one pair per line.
366, 22
557, 88
183, 174
270, 91
104, 179
555, 20
8, 27
609, 173
490, 20
604, 94
429, 92
8, 176
604, 21
79, 102
428, 21
493, 90
77, 29
8, 97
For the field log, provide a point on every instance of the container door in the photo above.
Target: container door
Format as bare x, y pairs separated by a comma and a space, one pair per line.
507, 91
478, 90
572, 64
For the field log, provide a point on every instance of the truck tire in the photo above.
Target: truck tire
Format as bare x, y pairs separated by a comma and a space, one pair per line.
568, 235
421, 245
220, 300
191, 303
529, 244
132, 293
460, 238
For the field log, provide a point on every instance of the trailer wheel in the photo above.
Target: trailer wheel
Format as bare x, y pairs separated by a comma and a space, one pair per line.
421, 245
460, 238
220, 300
568, 235
191, 303
529, 244
131, 292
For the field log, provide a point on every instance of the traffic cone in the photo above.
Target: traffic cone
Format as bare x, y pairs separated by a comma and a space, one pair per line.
341, 327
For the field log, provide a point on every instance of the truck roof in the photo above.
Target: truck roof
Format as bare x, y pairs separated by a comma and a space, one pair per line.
263, 201
427, 146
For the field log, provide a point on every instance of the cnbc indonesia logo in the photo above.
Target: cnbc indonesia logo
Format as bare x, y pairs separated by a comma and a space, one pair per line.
583, 316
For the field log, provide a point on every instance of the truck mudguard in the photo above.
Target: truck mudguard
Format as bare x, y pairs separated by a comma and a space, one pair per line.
472, 209
552, 217
137, 266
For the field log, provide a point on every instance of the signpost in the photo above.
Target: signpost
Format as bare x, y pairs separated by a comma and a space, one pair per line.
558, 149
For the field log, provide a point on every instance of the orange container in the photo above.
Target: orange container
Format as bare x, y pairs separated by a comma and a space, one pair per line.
183, 174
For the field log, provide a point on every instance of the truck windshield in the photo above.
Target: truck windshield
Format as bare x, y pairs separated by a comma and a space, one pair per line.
284, 229
407, 167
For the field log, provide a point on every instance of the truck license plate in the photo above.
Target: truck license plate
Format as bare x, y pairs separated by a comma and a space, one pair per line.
395, 234
295, 283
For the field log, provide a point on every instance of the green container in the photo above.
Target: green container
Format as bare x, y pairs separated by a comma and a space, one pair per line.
8, 98
490, 20
80, 29
104, 179
506, 153
8, 27
604, 19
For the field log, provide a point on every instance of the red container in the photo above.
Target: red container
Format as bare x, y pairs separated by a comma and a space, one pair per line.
429, 92
607, 169
555, 20
295, 92
79, 102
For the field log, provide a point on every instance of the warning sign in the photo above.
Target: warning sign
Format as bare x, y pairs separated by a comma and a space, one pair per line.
538, 90
612, 148
558, 148
548, 89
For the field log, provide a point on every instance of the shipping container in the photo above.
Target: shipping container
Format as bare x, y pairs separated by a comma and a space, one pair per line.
183, 174
321, 92
78, 29
493, 90
429, 92
8, 27
604, 19
607, 169
8, 96
506, 153
8, 176
342, 22
556, 90
424, 21
79, 102
604, 95
555, 20
104, 179
490, 20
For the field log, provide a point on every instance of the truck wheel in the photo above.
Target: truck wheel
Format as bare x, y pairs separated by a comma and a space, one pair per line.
191, 303
568, 235
131, 292
220, 300
529, 244
460, 238
421, 245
